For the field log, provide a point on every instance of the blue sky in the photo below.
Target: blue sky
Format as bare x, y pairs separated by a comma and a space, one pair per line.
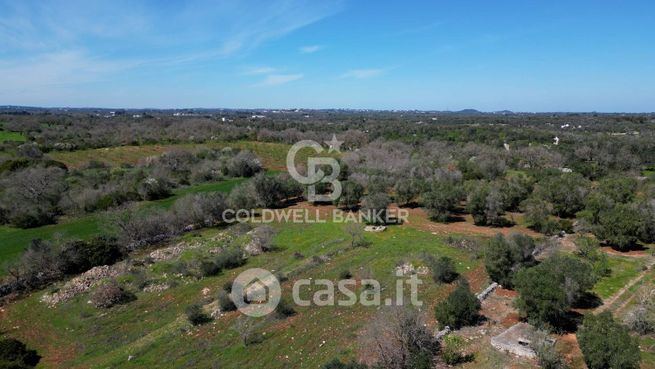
522, 55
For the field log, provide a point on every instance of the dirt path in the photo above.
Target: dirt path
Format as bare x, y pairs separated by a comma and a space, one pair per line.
612, 299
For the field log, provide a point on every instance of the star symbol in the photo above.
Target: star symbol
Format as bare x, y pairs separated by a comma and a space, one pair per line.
334, 144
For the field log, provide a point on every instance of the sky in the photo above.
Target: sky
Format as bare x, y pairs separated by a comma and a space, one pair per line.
520, 55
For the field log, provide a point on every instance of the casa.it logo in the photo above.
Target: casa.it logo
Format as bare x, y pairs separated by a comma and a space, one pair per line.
256, 292
315, 174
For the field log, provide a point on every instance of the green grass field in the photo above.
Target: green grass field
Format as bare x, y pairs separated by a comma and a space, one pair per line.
11, 136
273, 155
624, 269
154, 331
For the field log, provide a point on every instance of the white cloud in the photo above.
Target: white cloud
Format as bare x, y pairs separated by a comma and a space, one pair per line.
279, 79
310, 49
363, 73
253, 71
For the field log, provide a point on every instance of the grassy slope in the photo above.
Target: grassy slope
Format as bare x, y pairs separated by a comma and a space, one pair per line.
151, 327
624, 269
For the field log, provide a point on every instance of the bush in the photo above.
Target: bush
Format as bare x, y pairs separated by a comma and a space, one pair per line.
244, 164
443, 269
338, 364
15, 355
284, 309
345, 274
547, 355
209, 269
230, 258
196, 315
460, 309
225, 301
110, 294
451, 351
607, 344
79, 256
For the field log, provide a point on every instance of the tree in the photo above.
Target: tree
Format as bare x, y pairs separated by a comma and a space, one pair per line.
351, 194
485, 203
271, 191
537, 215
375, 206
548, 290
542, 299
460, 309
620, 189
622, 226
246, 327
407, 190
642, 318
567, 193
607, 344
244, 164
507, 255
397, 338
31, 197
15, 355
355, 232
441, 200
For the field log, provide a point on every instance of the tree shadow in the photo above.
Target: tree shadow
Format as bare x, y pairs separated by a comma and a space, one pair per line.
632, 247
588, 300
569, 322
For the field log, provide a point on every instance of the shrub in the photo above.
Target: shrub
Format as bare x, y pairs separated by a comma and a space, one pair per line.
244, 164
230, 258
443, 269
460, 309
547, 355
284, 309
338, 364
607, 344
209, 269
110, 294
451, 351
225, 301
196, 315
345, 274
15, 355
79, 256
